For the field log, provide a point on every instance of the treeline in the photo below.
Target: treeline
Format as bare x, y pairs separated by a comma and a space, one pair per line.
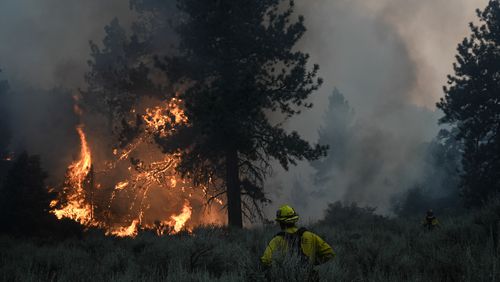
24, 195
25, 201
471, 108
365, 158
461, 166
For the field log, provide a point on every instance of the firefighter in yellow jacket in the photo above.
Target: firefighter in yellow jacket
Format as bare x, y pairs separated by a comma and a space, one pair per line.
296, 240
430, 221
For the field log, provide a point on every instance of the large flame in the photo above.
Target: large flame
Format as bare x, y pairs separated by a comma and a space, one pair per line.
178, 221
80, 169
128, 207
76, 205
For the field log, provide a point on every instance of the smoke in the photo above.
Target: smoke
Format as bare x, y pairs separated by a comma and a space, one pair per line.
45, 45
44, 52
390, 59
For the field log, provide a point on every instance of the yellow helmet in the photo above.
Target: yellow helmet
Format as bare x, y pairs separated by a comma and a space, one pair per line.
286, 214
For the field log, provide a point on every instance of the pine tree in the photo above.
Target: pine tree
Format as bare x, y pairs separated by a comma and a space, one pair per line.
472, 106
238, 66
25, 200
336, 133
5, 132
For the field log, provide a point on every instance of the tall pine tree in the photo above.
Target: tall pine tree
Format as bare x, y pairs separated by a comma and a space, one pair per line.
337, 132
472, 106
5, 132
237, 65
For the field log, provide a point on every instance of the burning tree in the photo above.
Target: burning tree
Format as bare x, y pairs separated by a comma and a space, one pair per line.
121, 181
207, 107
238, 68
119, 193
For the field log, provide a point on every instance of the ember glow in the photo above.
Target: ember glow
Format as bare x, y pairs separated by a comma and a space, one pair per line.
162, 119
129, 231
137, 187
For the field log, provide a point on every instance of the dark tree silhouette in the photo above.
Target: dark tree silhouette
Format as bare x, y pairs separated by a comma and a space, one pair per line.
472, 106
25, 200
123, 71
5, 132
238, 65
119, 76
235, 68
437, 189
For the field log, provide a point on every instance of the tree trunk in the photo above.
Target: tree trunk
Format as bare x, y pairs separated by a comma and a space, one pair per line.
233, 190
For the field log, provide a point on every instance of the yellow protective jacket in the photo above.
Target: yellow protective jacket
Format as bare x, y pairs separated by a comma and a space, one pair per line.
430, 222
317, 250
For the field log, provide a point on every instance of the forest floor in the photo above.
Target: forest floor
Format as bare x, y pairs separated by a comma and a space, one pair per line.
368, 248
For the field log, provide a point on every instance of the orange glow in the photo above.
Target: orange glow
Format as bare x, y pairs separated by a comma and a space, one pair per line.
76, 206
121, 185
129, 231
179, 221
131, 194
161, 119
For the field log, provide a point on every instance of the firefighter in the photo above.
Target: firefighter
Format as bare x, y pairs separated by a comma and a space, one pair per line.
309, 246
430, 222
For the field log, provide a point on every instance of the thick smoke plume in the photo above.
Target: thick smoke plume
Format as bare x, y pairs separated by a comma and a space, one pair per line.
45, 43
389, 58
43, 54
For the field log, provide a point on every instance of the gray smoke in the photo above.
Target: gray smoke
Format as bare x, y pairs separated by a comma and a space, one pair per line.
390, 59
45, 43
43, 54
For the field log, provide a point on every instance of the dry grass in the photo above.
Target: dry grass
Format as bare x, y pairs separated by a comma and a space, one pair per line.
368, 247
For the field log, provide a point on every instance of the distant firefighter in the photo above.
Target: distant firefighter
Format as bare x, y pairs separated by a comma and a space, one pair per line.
430, 222
293, 240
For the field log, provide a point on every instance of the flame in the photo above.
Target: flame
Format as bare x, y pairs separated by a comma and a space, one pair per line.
129, 200
162, 119
121, 185
80, 169
8, 157
179, 221
173, 182
130, 231
76, 206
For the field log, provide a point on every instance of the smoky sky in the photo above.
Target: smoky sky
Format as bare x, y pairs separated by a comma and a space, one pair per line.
389, 58
382, 54
44, 48
45, 43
